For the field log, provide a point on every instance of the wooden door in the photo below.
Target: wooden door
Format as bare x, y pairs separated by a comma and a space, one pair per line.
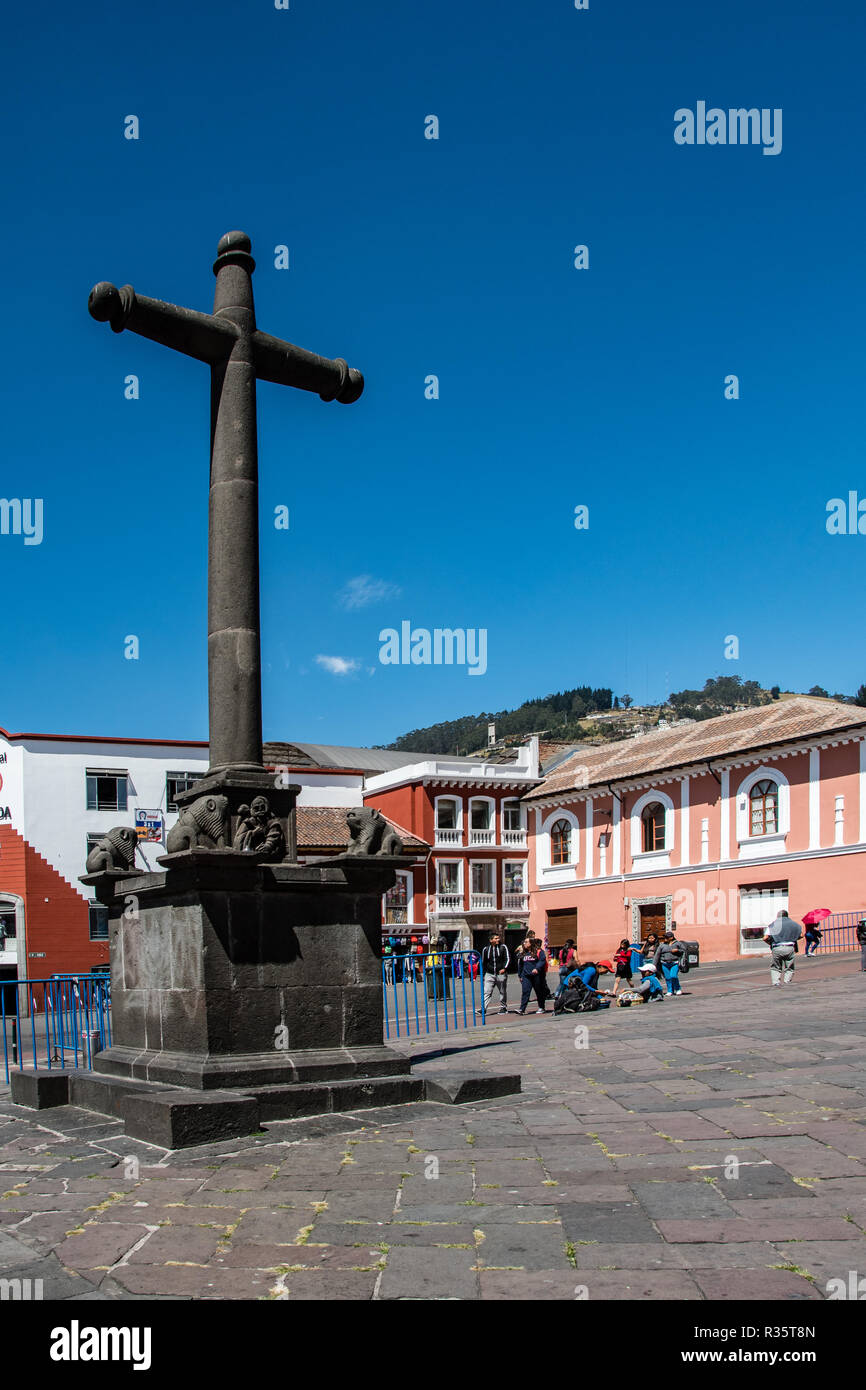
653, 918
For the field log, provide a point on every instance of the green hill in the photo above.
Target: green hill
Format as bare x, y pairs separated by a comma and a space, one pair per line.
567, 715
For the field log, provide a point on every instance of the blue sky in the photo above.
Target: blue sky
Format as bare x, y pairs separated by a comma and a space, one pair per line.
452, 257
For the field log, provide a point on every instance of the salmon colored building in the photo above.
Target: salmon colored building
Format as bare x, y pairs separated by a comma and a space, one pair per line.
709, 827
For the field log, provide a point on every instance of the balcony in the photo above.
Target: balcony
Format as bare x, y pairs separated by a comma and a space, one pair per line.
448, 837
482, 902
449, 902
515, 902
514, 837
482, 837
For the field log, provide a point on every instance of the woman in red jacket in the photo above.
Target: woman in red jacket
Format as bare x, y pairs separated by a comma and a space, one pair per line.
622, 964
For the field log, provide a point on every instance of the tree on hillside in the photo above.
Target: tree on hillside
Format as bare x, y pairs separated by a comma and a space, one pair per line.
626, 701
819, 690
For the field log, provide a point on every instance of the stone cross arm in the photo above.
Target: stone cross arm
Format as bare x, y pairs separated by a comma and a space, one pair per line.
238, 356
211, 339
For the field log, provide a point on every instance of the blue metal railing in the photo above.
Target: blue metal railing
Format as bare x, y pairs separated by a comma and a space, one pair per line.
839, 932
432, 992
58, 1022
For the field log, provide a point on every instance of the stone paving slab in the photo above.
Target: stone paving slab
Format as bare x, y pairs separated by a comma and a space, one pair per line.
608, 1177
754, 1285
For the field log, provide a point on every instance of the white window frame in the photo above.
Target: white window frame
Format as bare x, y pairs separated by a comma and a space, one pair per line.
546, 870
519, 829
490, 864
656, 858
460, 884
506, 865
410, 894
458, 830
491, 828
757, 846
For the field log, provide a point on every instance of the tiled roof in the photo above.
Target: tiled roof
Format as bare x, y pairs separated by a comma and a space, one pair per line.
286, 755
783, 721
324, 827
552, 753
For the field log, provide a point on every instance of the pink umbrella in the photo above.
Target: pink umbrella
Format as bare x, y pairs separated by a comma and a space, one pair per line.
817, 914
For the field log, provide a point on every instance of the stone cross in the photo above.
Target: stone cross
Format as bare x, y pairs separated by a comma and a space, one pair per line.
238, 354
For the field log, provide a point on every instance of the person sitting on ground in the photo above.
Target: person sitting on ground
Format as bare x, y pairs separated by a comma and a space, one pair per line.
650, 985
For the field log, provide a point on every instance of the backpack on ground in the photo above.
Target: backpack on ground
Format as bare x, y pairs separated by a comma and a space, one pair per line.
576, 999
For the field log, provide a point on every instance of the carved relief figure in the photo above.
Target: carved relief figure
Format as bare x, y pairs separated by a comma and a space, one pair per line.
201, 825
259, 832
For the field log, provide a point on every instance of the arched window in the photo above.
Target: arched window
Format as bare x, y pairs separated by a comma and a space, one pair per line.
446, 813
653, 822
764, 808
560, 842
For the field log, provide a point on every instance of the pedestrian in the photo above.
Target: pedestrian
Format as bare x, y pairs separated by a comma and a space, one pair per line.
649, 947
622, 962
861, 938
813, 939
533, 970
520, 951
782, 936
667, 956
495, 961
566, 956
567, 962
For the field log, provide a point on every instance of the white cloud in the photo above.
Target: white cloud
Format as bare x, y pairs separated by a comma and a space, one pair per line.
338, 665
363, 590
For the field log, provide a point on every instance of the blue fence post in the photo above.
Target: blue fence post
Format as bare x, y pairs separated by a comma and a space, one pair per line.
5, 1043
385, 996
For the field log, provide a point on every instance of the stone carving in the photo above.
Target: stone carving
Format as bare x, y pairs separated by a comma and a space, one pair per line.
201, 825
116, 850
370, 833
259, 832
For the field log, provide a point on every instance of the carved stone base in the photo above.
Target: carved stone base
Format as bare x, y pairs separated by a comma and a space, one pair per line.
241, 786
228, 972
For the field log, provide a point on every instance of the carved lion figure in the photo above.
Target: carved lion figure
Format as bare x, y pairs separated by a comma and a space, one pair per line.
201, 825
370, 833
116, 850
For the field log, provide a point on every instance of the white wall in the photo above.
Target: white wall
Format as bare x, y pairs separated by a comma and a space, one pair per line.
44, 785
56, 819
329, 788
